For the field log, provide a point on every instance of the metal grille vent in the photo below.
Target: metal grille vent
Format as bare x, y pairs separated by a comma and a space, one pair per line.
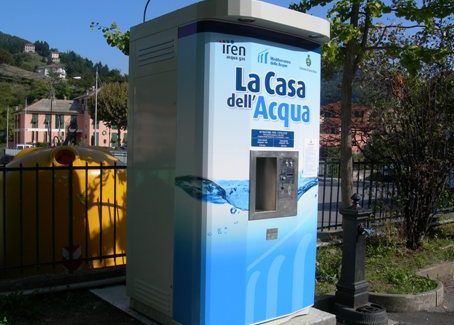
156, 53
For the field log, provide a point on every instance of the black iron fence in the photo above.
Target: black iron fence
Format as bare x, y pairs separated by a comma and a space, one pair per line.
373, 181
64, 218
61, 218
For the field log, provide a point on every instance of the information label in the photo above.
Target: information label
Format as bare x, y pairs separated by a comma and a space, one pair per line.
310, 158
272, 138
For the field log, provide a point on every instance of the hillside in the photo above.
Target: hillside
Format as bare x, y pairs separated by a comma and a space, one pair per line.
19, 80
10, 72
12, 44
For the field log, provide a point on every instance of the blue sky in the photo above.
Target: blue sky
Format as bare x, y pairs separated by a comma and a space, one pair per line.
65, 24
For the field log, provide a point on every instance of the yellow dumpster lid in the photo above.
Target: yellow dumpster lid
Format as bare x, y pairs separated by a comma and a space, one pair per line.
64, 156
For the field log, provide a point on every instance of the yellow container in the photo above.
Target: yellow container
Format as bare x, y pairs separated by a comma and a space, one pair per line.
59, 210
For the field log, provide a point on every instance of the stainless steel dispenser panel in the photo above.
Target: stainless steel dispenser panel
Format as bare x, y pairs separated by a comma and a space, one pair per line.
273, 184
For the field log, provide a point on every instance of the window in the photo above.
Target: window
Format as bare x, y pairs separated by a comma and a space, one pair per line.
73, 122
34, 120
114, 140
47, 120
59, 121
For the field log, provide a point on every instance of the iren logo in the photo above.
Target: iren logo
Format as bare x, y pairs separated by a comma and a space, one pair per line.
229, 48
263, 57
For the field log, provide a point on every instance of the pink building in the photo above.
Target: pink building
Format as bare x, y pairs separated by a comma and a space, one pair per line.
57, 118
107, 137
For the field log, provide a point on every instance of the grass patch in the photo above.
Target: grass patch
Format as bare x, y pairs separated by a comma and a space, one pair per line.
390, 266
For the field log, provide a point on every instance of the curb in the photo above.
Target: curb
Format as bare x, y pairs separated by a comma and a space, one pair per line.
397, 303
420, 301
405, 302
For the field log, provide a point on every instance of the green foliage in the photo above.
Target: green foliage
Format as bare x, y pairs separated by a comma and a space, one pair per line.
15, 89
114, 36
14, 93
3, 117
42, 48
329, 153
29, 61
413, 119
390, 266
328, 264
447, 198
6, 57
112, 104
360, 23
12, 44
407, 281
16, 305
417, 39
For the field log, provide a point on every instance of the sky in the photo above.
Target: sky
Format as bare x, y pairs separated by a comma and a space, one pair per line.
65, 24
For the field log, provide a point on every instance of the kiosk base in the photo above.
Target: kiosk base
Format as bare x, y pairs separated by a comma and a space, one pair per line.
151, 313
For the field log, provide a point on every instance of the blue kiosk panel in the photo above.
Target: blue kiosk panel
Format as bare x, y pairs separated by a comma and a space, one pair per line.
253, 93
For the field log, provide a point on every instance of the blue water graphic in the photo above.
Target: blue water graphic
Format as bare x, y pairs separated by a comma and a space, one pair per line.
234, 193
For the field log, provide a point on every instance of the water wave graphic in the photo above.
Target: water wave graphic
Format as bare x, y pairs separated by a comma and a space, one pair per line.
234, 193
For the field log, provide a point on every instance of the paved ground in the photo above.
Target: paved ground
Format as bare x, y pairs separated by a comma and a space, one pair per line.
443, 315
80, 307
75, 307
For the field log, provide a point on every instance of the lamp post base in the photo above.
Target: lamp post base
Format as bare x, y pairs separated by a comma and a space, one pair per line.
369, 314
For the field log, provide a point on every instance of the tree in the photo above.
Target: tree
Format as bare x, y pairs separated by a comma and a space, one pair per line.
112, 106
12, 44
114, 36
6, 57
7, 112
414, 133
357, 30
42, 48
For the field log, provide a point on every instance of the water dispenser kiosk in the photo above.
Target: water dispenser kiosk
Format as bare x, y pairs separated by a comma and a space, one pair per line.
222, 163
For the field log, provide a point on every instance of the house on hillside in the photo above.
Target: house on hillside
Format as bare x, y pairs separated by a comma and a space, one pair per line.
29, 48
55, 57
57, 69
330, 125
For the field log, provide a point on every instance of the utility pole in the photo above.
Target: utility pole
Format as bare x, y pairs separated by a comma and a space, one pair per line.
49, 126
7, 126
96, 108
